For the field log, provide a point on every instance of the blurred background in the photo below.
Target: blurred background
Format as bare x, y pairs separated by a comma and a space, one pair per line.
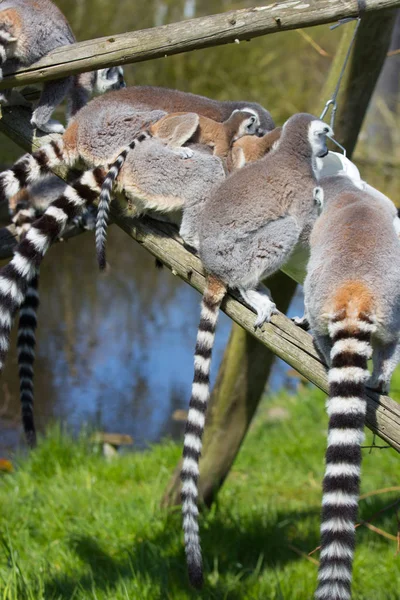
115, 351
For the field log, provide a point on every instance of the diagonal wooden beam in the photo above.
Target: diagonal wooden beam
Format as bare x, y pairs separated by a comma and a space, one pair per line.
281, 335
191, 34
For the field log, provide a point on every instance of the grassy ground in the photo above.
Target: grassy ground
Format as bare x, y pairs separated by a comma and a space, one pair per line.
74, 526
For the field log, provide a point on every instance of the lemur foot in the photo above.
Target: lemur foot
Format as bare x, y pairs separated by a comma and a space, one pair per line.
52, 126
378, 386
261, 303
184, 152
302, 322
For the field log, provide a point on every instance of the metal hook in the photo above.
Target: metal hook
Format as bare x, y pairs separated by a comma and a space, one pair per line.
332, 103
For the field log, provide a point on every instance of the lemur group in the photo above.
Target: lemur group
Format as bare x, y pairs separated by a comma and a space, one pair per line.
249, 193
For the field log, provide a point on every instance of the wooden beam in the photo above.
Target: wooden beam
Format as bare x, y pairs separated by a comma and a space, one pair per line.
281, 336
191, 34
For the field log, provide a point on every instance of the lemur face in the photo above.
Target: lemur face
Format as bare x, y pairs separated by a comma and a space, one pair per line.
250, 124
109, 79
317, 133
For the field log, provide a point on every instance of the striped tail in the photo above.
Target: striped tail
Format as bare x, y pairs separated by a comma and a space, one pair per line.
26, 342
346, 406
212, 298
30, 168
105, 200
23, 268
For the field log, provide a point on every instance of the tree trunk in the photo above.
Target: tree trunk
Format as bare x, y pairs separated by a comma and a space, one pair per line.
241, 381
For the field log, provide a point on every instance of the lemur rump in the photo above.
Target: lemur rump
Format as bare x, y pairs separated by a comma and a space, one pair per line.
248, 229
30, 29
352, 302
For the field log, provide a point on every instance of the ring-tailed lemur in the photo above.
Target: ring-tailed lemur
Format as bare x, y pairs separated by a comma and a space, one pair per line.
176, 129
248, 229
352, 302
153, 173
250, 148
30, 29
107, 124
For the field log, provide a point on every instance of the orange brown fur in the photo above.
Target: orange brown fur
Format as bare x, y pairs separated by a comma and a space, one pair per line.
250, 148
352, 299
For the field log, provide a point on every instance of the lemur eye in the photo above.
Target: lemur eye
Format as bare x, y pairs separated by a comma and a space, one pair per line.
326, 129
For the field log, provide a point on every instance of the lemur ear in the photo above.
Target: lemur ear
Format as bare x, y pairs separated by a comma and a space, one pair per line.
176, 128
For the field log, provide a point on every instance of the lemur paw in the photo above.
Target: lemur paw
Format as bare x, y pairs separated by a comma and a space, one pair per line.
301, 322
379, 386
264, 313
184, 152
51, 126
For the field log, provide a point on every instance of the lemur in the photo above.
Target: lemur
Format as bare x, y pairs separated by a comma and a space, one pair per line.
172, 101
250, 148
248, 229
176, 129
30, 29
352, 302
105, 126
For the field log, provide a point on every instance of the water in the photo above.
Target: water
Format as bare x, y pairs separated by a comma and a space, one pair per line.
116, 351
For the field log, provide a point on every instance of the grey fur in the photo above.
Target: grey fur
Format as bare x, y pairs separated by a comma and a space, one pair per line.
248, 229
352, 303
254, 220
30, 29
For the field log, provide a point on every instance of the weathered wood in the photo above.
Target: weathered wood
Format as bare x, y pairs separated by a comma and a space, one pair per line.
188, 35
281, 336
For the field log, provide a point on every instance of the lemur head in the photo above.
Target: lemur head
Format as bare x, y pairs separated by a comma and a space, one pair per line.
246, 121
302, 128
318, 131
109, 79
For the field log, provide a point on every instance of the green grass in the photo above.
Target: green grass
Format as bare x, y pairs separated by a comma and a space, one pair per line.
74, 526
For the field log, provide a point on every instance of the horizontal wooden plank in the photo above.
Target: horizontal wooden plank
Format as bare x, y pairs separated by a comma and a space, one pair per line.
192, 34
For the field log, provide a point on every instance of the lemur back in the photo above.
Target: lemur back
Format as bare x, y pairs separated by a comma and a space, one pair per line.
248, 228
158, 98
352, 302
30, 29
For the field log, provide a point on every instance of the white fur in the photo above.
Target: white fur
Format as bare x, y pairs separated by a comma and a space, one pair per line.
339, 405
333, 470
353, 374
351, 345
9, 288
196, 417
190, 466
193, 441
39, 240
340, 498
57, 213
336, 550
344, 437
200, 390
337, 525
24, 266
